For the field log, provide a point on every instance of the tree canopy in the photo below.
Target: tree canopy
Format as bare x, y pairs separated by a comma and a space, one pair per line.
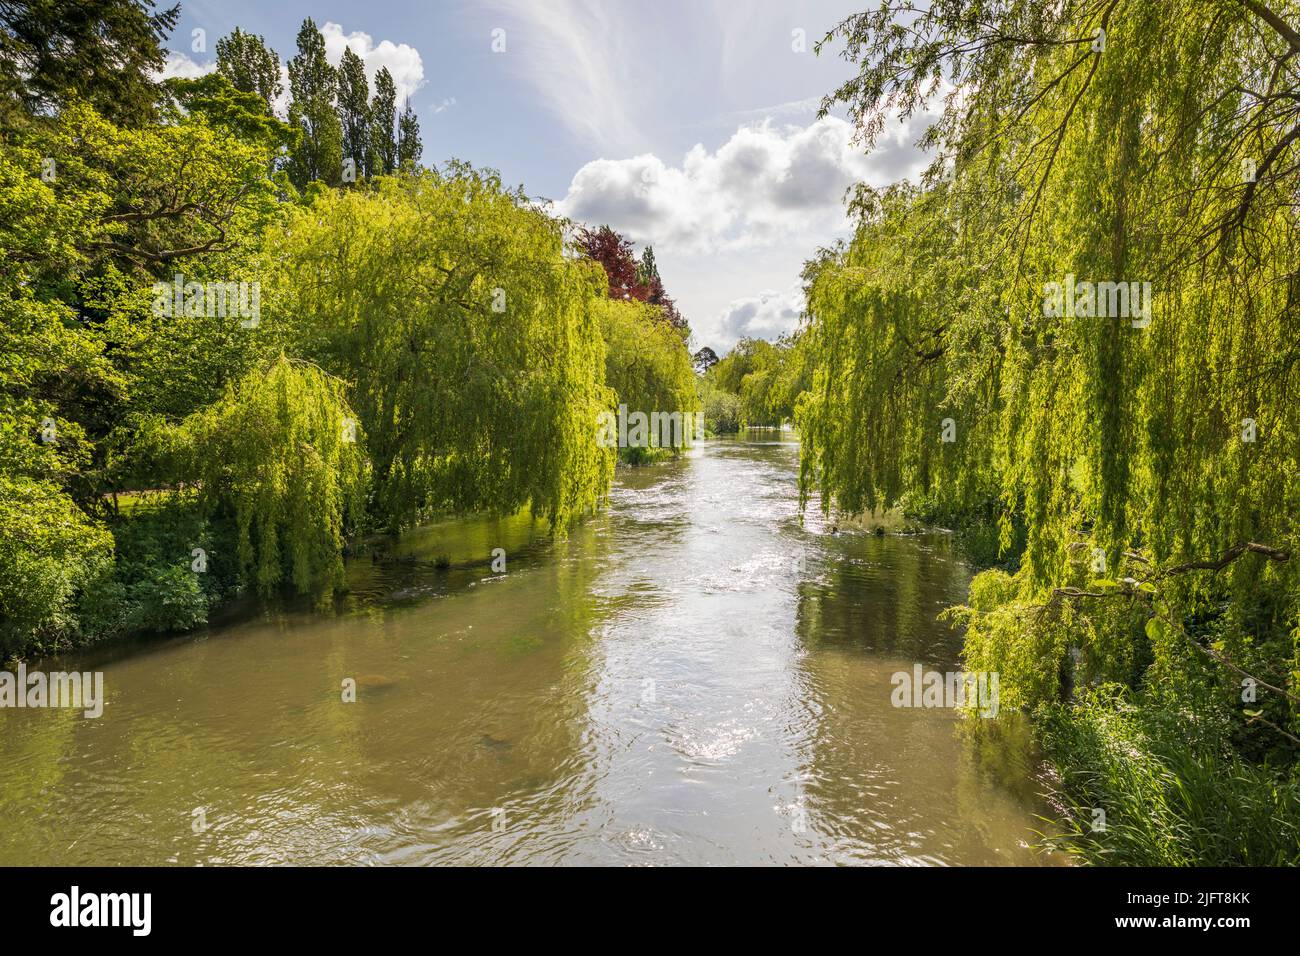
1083, 321
211, 341
469, 338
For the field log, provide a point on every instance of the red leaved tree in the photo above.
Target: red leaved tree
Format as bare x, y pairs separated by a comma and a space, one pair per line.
614, 253
628, 278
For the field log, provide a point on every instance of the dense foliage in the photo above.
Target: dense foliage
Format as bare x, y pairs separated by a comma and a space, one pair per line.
223, 359
648, 366
630, 279
763, 378
1144, 436
470, 341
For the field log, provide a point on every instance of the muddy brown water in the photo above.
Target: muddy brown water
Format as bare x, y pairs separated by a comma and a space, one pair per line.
694, 676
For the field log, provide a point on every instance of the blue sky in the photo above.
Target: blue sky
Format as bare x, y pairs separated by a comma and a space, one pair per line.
687, 125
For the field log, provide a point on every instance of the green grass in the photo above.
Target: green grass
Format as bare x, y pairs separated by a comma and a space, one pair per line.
1168, 801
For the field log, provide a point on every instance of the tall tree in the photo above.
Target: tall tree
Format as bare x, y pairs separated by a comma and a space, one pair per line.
313, 84
381, 158
105, 52
250, 66
354, 107
614, 253
476, 369
409, 146
704, 359
648, 273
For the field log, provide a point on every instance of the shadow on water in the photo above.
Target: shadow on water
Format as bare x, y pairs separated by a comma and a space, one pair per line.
695, 675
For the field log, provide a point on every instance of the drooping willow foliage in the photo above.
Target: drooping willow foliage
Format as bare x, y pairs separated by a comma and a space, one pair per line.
445, 310
647, 364
1151, 455
283, 453
765, 377
468, 338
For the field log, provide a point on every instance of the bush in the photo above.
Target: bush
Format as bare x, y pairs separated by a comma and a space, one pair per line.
723, 411
49, 549
154, 586
636, 455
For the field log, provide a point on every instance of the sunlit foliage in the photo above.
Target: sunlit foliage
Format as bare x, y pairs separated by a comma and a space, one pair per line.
468, 338
647, 363
1150, 448
282, 453
766, 377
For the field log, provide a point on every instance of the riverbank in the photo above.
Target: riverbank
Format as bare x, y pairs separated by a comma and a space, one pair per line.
693, 676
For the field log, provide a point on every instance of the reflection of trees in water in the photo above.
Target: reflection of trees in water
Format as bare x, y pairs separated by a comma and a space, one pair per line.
1000, 773
884, 595
902, 784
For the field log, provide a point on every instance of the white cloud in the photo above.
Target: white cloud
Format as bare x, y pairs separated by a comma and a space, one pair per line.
178, 64
403, 61
763, 316
806, 108
766, 185
280, 104
573, 52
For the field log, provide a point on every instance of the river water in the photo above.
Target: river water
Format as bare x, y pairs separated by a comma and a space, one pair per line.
693, 676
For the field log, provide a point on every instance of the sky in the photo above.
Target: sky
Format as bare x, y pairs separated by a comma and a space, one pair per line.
690, 126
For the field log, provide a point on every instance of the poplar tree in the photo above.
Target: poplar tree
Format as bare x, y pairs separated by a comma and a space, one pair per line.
409, 147
354, 108
313, 84
250, 65
381, 157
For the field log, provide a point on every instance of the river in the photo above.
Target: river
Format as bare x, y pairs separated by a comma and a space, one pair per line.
693, 676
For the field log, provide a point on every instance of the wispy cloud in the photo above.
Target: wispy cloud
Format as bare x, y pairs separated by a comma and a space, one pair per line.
573, 54
792, 111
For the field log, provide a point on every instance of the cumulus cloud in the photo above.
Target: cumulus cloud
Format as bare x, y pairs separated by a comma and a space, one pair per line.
767, 184
763, 316
180, 65
403, 61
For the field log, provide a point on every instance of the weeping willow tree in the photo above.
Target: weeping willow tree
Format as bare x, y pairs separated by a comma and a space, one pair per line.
648, 366
467, 335
281, 452
1086, 314
885, 413
765, 376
